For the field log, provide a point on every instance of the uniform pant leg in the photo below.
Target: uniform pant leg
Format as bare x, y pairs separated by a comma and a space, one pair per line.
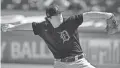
59, 64
81, 63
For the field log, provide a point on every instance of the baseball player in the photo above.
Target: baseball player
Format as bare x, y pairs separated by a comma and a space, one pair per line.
62, 36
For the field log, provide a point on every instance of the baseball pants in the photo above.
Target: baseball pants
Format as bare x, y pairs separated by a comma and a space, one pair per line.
80, 63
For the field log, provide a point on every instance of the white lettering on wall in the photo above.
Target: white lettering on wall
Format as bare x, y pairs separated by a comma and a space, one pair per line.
42, 49
29, 50
102, 54
101, 50
34, 50
26, 50
116, 51
15, 50
3, 48
108, 50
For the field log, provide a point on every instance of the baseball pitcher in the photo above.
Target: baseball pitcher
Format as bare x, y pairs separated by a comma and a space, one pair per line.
62, 36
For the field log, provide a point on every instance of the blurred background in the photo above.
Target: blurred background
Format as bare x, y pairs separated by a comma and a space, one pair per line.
21, 48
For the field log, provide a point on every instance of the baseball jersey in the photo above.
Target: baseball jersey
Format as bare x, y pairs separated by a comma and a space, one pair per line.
62, 41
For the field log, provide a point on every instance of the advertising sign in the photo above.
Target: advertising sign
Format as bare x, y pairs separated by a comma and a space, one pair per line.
23, 46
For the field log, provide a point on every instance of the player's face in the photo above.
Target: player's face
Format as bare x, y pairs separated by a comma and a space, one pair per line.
57, 18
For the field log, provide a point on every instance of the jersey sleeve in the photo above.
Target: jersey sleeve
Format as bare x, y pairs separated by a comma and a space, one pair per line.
36, 28
75, 21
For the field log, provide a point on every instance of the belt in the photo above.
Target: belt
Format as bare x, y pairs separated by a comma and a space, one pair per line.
72, 58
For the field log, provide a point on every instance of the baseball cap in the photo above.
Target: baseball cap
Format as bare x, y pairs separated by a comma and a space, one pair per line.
52, 11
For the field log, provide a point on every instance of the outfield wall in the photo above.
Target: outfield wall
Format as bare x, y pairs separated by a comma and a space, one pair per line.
22, 46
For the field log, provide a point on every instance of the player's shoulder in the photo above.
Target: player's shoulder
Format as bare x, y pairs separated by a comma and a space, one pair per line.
74, 17
38, 24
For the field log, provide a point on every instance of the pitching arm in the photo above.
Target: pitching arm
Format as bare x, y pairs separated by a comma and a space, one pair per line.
96, 15
111, 24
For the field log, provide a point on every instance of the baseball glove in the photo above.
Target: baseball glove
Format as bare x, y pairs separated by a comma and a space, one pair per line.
112, 25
